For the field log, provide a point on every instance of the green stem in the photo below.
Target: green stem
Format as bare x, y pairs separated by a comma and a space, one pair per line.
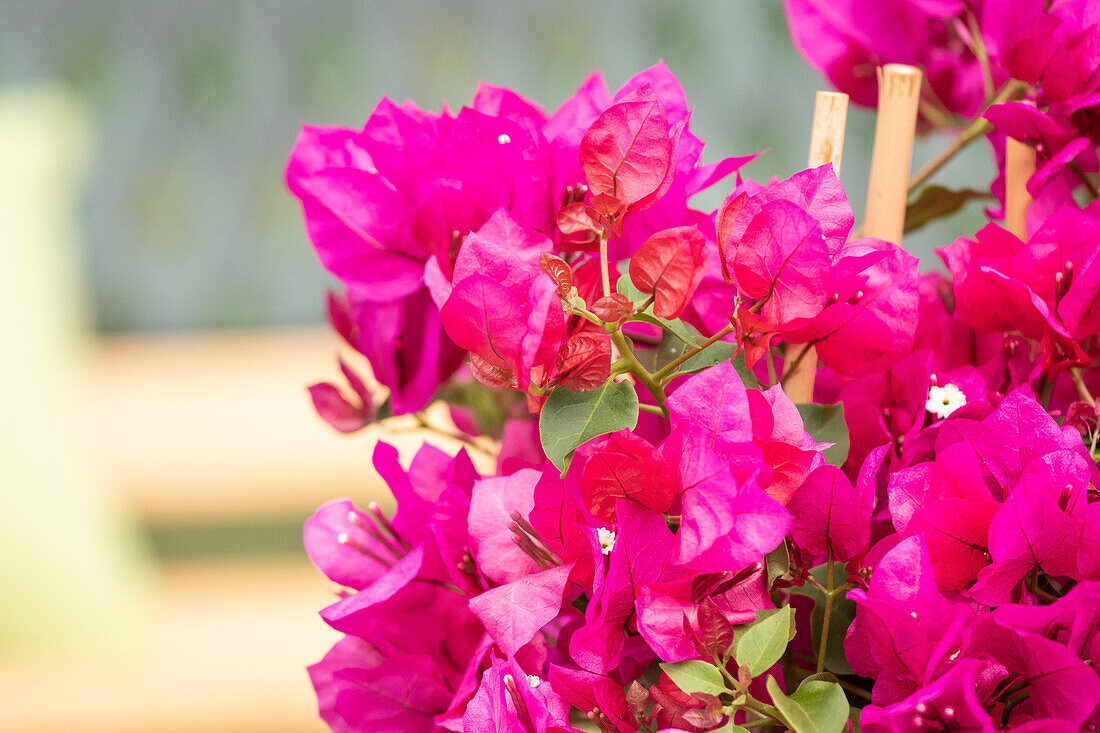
639, 371
605, 279
972, 132
978, 47
1013, 702
651, 408
423, 424
669, 368
1073, 166
646, 303
760, 708
830, 592
1032, 583
1078, 377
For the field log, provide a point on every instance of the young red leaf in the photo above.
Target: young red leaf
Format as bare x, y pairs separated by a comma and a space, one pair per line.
579, 231
637, 697
492, 375
627, 152
670, 265
584, 361
607, 212
559, 271
715, 634
612, 308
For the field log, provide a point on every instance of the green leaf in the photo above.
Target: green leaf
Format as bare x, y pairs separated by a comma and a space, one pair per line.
570, 418
764, 642
625, 287
825, 423
778, 563
678, 337
817, 706
840, 618
695, 676
747, 377
936, 202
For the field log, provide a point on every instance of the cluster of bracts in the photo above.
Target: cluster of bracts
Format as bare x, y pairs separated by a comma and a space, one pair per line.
668, 542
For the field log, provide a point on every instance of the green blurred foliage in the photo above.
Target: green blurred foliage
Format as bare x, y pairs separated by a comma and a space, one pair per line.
197, 105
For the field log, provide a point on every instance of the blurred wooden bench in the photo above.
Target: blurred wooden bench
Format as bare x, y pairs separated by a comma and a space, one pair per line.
198, 428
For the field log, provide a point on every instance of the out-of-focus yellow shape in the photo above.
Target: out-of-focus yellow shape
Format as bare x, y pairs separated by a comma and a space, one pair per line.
70, 573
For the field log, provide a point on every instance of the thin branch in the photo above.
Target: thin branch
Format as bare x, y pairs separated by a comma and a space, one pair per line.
640, 371
972, 132
978, 47
667, 369
604, 277
1079, 382
830, 591
422, 423
1073, 166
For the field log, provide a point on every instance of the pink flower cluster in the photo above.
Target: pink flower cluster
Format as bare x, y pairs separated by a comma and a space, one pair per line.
1030, 67
675, 545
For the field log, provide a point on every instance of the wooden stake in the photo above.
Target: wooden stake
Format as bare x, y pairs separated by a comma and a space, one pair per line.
898, 97
1019, 167
826, 146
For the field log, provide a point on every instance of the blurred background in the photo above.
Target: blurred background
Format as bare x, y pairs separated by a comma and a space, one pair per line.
161, 310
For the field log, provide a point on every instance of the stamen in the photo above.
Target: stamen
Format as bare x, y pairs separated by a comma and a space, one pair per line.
520, 704
344, 539
381, 539
531, 543
383, 522
524, 543
599, 719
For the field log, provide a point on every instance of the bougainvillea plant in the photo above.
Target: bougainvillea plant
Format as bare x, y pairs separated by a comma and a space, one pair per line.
665, 541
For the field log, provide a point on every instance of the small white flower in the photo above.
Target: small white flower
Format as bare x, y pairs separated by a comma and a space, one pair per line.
942, 401
533, 680
607, 539
503, 139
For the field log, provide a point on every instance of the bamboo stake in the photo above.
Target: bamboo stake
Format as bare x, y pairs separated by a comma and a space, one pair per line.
1019, 167
887, 190
826, 146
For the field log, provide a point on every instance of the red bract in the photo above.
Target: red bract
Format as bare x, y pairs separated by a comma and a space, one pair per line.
846, 41
670, 265
781, 257
829, 513
627, 153
627, 467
